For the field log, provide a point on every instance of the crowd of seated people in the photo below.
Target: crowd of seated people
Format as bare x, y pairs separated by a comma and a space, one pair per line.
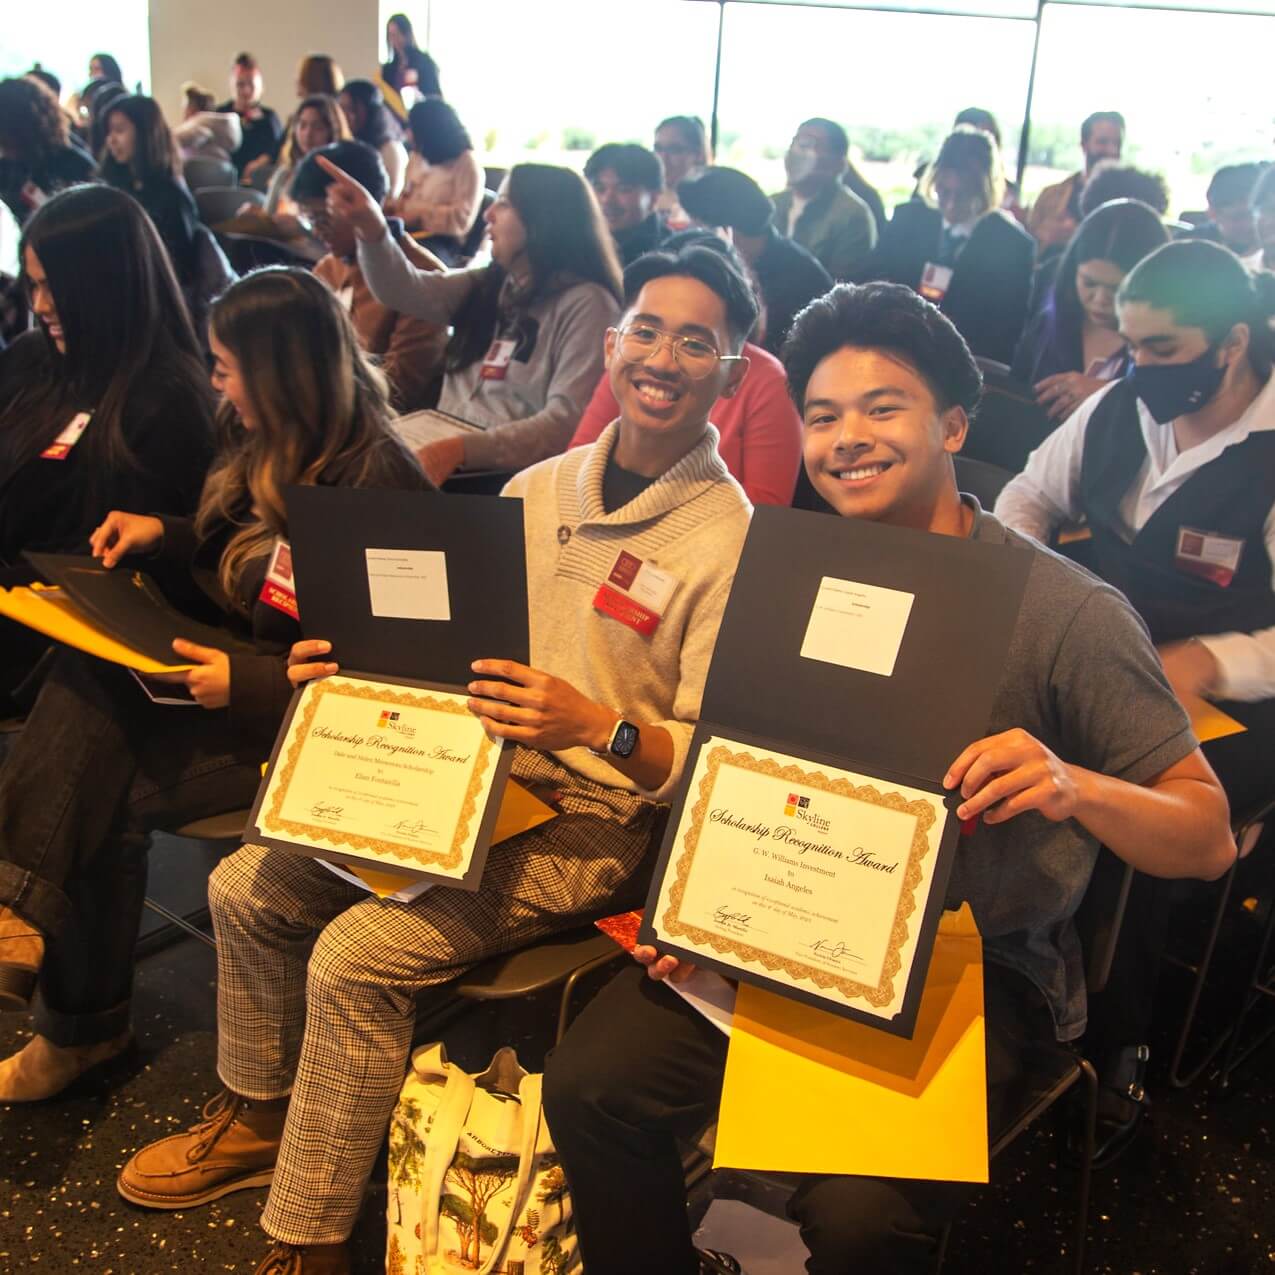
642, 354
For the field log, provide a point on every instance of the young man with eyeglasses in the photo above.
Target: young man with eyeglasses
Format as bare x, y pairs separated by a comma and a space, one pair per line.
632, 543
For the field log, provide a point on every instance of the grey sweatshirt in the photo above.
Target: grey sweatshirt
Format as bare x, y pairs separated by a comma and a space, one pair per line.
530, 414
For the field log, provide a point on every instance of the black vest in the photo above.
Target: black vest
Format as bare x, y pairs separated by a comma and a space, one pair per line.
1231, 496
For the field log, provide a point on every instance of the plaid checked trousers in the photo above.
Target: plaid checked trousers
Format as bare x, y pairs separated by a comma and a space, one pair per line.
318, 981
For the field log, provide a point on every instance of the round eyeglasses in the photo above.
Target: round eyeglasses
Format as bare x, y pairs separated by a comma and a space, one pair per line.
638, 342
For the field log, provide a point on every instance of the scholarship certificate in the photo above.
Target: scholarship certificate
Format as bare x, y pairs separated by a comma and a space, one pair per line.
800, 876
383, 773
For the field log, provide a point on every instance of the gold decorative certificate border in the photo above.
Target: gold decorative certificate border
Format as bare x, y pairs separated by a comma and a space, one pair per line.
448, 859
923, 811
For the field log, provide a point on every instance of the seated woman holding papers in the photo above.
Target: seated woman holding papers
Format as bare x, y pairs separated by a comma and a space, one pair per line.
1173, 468
526, 350
318, 982
98, 765
1087, 745
105, 405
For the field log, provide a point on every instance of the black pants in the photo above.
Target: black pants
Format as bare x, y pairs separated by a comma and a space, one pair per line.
640, 1069
1120, 1015
95, 770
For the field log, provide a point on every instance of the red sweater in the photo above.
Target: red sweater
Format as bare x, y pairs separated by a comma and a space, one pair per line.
760, 429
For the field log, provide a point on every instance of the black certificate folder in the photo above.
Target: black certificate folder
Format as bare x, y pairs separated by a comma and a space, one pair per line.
811, 842
382, 766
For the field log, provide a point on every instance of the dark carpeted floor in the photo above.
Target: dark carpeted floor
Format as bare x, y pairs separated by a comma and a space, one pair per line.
1193, 1197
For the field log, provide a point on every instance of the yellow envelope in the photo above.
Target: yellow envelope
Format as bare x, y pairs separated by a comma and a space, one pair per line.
1208, 721
809, 1092
51, 612
520, 810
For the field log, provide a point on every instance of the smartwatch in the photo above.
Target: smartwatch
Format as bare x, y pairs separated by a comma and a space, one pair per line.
623, 741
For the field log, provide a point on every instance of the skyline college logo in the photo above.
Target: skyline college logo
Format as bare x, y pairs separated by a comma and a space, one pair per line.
390, 721
798, 807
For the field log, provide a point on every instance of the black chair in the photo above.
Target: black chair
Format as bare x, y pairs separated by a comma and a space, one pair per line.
1248, 828
220, 203
259, 178
1009, 424
982, 481
492, 177
202, 172
470, 244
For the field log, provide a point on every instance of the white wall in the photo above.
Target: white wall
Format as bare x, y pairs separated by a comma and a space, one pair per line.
198, 39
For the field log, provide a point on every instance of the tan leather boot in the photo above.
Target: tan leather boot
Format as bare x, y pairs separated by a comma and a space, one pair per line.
233, 1148
306, 1259
41, 1069
21, 955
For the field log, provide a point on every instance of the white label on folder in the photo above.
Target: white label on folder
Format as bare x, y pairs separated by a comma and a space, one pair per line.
408, 584
857, 625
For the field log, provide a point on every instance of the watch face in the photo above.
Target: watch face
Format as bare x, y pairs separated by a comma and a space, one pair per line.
625, 741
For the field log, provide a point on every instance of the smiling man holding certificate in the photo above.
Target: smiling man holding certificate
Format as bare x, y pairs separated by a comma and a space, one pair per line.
1086, 745
631, 543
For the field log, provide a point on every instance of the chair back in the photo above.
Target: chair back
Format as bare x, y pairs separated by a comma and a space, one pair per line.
259, 178
1009, 424
202, 171
982, 481
220, 203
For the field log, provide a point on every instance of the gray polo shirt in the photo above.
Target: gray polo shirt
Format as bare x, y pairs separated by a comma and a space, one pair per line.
1084, 679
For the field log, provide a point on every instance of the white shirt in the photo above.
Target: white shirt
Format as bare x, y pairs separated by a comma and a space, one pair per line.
1047, 494
794, 214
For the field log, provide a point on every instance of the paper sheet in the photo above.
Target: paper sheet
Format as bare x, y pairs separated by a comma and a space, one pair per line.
807, 1091
1208, 721
857, 625
408, 584
418, 428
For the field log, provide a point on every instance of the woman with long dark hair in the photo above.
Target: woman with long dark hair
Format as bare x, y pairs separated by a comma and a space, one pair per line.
1073, 347
318, 121
301, 405
372, 123
36, 157
140, 156
528, 329
443, 190
409, 65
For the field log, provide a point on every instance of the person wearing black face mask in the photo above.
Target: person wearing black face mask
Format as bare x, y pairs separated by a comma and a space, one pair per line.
1173, 468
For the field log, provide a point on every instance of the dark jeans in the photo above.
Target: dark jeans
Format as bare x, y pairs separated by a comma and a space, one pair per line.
640, 1069
96, 769
1120, 1016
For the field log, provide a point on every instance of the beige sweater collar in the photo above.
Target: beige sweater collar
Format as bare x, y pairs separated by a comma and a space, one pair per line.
698, 471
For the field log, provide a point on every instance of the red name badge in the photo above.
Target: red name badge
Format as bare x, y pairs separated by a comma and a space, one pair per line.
1211, 557
60, 447
278, 590
635, 593
496, 364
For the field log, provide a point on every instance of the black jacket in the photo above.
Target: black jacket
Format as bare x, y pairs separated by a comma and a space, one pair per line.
790, 277
53, 505
170, 205
991, 279
262, 135
60, 167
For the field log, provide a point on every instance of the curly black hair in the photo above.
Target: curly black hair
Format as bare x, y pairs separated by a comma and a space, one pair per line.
31, 122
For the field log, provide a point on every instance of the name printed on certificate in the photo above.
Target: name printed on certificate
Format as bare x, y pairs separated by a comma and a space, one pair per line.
809, 876
391, 774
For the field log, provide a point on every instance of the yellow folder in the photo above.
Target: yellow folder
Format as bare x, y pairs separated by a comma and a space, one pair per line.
809, 1092
1208, 721
520, 810
51, 612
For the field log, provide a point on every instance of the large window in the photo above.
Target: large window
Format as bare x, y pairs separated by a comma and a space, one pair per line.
888, 78
63, 34
1193, 88
550, 82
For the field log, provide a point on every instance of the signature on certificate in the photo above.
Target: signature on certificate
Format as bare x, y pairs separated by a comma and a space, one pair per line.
326, 810
832, 950
414, 828
724, 916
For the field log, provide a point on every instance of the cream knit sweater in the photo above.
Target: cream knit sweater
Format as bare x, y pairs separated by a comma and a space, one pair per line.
691, 523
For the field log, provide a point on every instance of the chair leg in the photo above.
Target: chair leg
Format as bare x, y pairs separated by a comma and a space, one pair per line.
569, 988
1258, 988
941, 1256
1086, 1165
1177, 1078
181, 922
